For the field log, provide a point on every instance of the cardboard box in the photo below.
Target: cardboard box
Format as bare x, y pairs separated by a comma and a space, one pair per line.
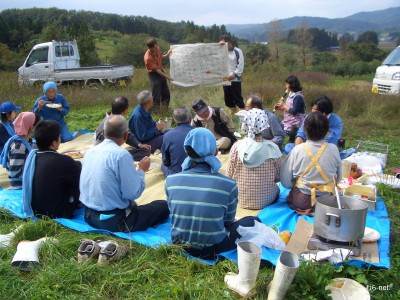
304, 230
366, 193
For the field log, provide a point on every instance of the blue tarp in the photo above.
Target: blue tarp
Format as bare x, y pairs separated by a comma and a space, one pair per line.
279, 214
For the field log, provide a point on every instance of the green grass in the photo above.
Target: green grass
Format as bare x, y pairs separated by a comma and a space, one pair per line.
162, 273
105, 48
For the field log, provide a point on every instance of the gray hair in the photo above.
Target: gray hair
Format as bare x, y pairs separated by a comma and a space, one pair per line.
115, 127
256, 101
144, 96
181, 115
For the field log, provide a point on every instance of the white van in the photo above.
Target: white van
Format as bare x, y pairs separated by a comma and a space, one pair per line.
387, 76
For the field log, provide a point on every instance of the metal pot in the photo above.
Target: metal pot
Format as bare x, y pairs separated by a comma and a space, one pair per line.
341, 225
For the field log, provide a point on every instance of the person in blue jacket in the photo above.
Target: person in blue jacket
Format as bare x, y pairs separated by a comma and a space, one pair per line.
324, 105
7, 114
142, 125
53, 106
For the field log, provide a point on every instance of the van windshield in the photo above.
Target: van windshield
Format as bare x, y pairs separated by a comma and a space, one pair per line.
393, 58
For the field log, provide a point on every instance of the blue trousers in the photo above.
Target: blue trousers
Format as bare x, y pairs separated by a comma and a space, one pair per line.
66, 136
227, 244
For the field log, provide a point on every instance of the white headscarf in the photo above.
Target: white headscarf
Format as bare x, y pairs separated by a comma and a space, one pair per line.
255, 122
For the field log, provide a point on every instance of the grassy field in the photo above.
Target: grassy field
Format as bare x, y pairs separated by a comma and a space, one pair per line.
162, 273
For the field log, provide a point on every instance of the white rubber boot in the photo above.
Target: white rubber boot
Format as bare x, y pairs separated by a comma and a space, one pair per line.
26, 256
5, 239
249, 257
285, 271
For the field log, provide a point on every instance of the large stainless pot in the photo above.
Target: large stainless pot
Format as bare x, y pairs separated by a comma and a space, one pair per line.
341, 225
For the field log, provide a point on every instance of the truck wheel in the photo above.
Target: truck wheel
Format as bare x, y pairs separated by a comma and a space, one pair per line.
93, 85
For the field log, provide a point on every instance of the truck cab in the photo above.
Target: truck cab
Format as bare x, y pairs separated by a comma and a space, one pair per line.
387, 76
48, 57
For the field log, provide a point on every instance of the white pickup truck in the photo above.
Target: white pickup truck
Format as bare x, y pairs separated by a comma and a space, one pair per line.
58, 61
387, 76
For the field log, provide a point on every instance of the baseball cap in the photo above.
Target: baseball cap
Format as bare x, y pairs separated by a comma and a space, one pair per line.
8, 106
199, 106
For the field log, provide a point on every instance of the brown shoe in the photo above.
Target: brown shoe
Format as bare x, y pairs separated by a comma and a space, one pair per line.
111, 251
87, 249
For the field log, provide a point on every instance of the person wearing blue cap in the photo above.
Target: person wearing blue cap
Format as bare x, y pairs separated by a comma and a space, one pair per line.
7, 115
202, 201
53, 106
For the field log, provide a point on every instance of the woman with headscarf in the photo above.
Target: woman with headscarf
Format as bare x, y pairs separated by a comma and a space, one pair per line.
18, 147
7, 112
53, 106
254, 164
202, 201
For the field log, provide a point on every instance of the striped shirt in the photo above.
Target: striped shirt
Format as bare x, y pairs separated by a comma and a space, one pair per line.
201, 205
15, 163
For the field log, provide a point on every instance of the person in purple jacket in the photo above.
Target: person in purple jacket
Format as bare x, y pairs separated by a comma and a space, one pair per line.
53, 106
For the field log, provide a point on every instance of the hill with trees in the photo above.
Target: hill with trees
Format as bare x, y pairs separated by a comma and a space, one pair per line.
20, 29
380, 21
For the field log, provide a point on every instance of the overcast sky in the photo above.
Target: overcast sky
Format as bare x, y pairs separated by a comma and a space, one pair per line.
208, 12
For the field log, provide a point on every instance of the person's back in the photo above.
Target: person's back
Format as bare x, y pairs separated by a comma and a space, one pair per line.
55, 184
109, 184
205, 197
203, 202
311, 166
55, 181
253, 163
173, 153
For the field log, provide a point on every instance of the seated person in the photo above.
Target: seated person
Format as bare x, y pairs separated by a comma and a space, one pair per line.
311, 166
202, 201
292, 137
47, 112
254, 164
119, 106
172, 150
50, 180
275, 131
18, 147
110, 183
294, 108
142, 125
324, 105
8, 111
217, 121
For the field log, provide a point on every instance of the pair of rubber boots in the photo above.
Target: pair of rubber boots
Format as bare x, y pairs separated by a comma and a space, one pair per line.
249, 258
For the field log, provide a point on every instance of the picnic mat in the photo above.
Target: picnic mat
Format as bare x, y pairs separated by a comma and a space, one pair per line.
277, 214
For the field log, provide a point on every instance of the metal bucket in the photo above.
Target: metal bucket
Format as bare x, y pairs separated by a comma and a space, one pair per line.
341, 225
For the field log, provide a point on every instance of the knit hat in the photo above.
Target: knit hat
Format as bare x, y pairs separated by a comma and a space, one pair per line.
24, 122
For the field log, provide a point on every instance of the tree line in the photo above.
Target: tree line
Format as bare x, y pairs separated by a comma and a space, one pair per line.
20, 29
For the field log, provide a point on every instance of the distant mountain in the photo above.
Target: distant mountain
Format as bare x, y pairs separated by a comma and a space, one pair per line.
378, 21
